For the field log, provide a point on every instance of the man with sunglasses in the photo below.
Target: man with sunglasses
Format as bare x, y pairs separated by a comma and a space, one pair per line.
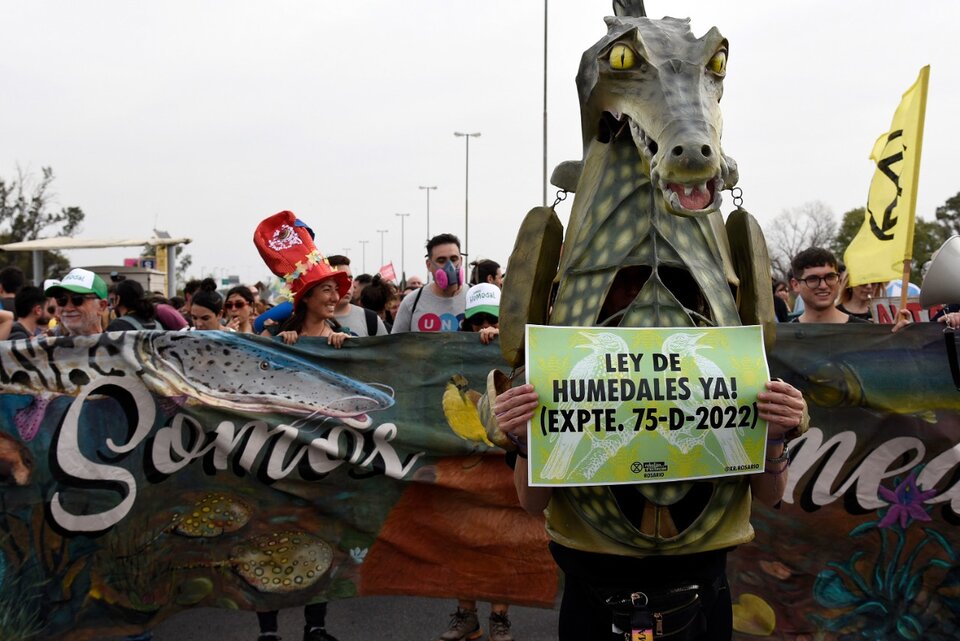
816, 280
82, 297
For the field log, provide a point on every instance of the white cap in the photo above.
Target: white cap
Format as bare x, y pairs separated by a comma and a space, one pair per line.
484, 297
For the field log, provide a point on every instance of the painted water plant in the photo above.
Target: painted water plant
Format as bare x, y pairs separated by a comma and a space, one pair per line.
885, 599
20, 602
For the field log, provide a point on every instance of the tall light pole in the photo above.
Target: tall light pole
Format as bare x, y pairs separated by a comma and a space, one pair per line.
428, 189
381, 232
544, 103
403, 265
363, 252
466, 197
346, 252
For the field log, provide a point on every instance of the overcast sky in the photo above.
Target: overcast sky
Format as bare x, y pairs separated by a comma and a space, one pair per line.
201, 118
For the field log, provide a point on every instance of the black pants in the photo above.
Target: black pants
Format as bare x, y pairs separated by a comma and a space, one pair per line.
315, 616
585, 617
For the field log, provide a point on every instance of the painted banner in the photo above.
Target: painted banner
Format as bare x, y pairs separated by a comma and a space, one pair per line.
628, 405
145, 473
866, 543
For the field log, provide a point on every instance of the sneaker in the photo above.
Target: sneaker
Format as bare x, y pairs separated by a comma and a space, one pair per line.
464, 626
317, 634
499, 627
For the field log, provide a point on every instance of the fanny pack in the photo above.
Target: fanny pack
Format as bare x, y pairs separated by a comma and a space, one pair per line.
672, 614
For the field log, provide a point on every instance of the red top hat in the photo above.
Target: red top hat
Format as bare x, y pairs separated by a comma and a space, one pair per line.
286, 245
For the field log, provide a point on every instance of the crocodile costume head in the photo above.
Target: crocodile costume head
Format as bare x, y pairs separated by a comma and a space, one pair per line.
654, 81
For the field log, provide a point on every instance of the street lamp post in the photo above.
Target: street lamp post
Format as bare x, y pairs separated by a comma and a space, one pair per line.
428, 189
403, 265
381, 232
466, 192
363, 252
544, 103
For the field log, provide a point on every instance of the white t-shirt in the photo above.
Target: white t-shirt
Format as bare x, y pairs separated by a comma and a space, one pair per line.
432, 314
354, 321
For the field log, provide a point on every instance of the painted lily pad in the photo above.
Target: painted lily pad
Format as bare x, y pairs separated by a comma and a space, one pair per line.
194, 591
214, 514
282, 562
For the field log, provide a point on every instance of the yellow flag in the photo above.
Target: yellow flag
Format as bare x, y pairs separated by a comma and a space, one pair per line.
885, 240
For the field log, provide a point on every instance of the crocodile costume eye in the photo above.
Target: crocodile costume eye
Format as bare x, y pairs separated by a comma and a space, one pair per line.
718, 63
264, 365
622, 57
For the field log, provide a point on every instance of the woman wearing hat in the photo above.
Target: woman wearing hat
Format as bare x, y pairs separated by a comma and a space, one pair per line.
313, 314
286, 245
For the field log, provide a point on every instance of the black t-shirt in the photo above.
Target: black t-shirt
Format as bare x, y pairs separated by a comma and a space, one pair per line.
850, 319
121, 324
861, 315
18, 331
781, 310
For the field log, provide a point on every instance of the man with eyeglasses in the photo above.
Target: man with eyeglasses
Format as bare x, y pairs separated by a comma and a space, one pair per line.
816, 280
82, 297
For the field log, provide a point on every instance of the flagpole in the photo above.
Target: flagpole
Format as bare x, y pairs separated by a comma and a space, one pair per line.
905, 283
904, 287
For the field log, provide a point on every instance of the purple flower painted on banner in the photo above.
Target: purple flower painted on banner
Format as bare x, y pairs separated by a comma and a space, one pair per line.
906, 503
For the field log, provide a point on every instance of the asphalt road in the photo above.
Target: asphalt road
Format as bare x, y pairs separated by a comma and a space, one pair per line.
362, 619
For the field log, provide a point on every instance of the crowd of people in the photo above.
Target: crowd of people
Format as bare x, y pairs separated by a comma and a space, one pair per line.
368, 307
329, 302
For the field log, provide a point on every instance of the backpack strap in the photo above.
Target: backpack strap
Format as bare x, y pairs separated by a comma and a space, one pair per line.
416, 300
132, 320
371, 318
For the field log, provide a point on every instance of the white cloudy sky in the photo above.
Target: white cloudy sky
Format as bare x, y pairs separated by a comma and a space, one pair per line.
202, 117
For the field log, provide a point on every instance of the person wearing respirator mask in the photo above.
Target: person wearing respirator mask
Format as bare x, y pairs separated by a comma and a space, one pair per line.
439, 306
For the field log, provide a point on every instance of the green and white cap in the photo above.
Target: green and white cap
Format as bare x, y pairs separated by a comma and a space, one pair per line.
484, 297
80, 281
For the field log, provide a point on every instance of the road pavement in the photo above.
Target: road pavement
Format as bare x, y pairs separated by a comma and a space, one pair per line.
362, 619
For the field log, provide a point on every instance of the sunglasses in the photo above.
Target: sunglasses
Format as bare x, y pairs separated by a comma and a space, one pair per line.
240, 304
76, 299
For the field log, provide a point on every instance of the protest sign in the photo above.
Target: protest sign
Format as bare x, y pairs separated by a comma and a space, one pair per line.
884, 310
629, 405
